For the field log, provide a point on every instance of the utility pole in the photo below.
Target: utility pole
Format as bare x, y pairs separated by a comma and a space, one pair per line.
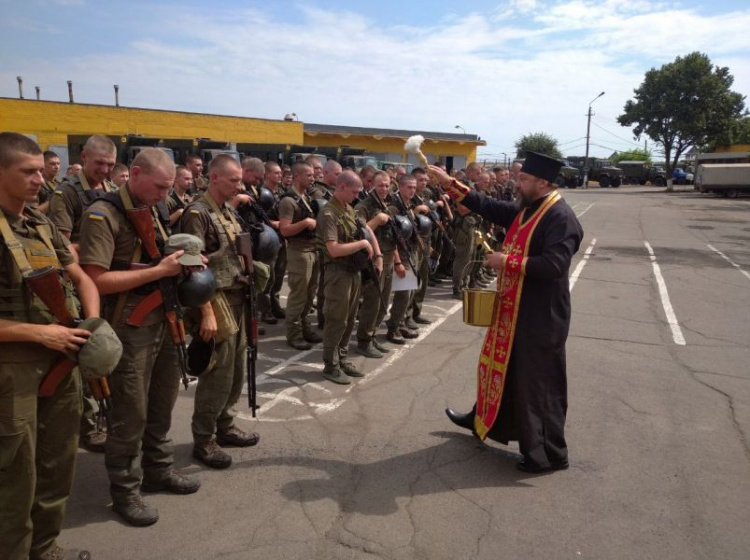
588, 137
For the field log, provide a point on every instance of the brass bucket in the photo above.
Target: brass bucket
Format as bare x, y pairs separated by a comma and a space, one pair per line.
478, 307
478, 304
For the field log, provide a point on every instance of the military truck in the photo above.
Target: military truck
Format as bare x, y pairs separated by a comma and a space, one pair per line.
133, 144
568, 176
600, 170
726, 179
638, 172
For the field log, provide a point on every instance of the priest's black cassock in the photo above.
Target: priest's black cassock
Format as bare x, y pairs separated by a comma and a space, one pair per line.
535, 399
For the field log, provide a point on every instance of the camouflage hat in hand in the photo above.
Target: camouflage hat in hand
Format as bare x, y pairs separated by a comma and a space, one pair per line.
102, 351
192, 246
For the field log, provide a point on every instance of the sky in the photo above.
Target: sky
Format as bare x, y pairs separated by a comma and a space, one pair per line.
497, 69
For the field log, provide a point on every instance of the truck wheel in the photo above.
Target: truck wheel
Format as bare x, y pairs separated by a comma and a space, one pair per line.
616, 182
641, 182
660, 182
604, 181
731, 193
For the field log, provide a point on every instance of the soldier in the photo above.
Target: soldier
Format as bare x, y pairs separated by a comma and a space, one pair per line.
76, 193
39, 435
324, 189
139, 454
297, 225
180, 196
401, 204
73, 170
317, 167
195, 164
367, 174
465, 224
374, 212
272, 181
342, 241
67, 207
286, 179
414, 316
51, 182
119, 175
213, 221
248, 204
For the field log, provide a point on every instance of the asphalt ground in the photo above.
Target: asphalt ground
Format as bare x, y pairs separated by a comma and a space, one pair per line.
658, 423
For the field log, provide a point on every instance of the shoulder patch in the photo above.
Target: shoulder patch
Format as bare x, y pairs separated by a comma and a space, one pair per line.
58, 191
98, 216
195, 211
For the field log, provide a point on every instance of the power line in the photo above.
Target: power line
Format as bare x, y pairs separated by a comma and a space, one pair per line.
616, 136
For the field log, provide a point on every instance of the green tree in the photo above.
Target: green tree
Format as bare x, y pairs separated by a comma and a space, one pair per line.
537, 142
683, 104
737, 132
632, 155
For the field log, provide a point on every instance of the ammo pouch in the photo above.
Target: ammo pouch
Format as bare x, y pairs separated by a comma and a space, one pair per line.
227, 327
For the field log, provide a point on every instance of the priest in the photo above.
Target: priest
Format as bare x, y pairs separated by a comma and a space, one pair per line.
521, 375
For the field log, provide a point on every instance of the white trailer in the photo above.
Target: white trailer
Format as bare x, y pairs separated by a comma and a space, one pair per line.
727, 179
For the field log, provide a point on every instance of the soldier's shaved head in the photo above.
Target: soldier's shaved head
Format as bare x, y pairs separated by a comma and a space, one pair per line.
253, 164
150, 160
12, 145
222, 162
99, 144
348, 179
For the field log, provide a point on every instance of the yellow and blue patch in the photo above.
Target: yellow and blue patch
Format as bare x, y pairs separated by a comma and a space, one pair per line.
98, 216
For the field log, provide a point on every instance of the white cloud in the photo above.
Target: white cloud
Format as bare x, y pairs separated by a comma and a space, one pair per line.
497, 77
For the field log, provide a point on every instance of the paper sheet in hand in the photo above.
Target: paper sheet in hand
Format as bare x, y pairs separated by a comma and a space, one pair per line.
408, 282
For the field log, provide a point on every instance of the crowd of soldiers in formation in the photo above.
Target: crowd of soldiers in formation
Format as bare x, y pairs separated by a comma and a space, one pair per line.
341, 237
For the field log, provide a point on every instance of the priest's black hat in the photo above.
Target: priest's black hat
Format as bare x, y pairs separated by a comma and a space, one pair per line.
541, 166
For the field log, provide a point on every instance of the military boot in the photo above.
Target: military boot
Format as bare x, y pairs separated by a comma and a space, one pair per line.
408, 333
94, 441
379, 346
395, 337
268, 318
210, 454
422, 320
334, 373
409, 323
457, 294
58, 553
350, 369
135, 511
173, 482
310, 335
299, 344
235, 437
368, 350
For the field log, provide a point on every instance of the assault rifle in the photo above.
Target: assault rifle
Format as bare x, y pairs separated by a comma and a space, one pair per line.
401, 241
438, 223
244, 246
45, 284
142, 220
361, 256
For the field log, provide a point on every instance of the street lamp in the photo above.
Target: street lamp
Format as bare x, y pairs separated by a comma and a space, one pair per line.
588, 136
505, 159
461, 127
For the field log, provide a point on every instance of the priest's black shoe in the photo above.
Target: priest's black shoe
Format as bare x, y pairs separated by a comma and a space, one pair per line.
533, 468
465, 421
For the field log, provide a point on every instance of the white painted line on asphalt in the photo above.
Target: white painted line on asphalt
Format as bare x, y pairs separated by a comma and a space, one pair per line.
581, 264
401, 351
730, 261
668, 311
585, 210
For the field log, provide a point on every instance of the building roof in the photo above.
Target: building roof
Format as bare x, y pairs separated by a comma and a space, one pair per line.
390, 132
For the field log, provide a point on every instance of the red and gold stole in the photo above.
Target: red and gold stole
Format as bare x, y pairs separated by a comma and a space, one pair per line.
498, 343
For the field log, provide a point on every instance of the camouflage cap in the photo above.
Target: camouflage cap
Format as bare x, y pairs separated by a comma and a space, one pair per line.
192, 246
101, 353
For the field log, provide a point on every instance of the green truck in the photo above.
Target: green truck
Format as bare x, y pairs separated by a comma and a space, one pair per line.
636, 172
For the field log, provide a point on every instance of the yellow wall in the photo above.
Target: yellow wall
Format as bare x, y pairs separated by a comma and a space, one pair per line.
375, 144
52, 122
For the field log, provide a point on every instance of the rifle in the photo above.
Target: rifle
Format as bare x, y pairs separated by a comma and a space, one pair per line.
361, 229
438, 223
45, 284
401, 242
142, 221
244, 246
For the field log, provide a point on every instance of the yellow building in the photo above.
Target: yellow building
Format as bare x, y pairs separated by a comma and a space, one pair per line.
64, 127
